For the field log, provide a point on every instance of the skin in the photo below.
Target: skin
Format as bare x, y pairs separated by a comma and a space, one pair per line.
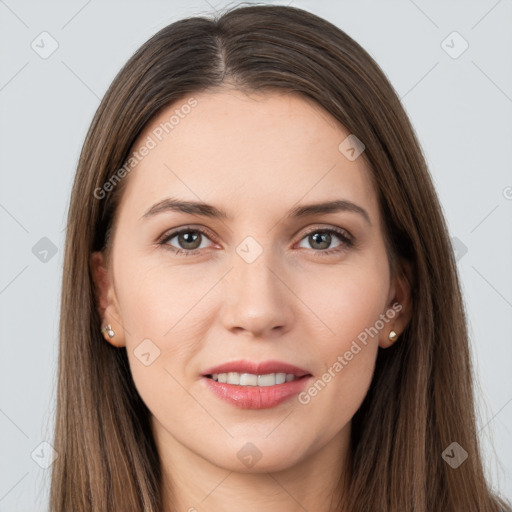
257, 157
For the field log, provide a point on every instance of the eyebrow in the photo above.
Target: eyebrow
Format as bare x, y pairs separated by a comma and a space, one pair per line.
208, 210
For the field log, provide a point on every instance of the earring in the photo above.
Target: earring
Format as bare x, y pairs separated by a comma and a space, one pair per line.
109, 331
393, 336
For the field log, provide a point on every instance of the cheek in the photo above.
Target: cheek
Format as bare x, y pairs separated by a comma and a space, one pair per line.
156, 307
337, 390
347, 299
157, 300
351, 322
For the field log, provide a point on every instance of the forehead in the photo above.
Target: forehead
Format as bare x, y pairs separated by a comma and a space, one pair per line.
246, 153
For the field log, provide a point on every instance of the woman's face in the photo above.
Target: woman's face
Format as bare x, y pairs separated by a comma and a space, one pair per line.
256, 284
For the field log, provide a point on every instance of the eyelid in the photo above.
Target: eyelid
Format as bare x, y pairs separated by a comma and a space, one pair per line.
336, 229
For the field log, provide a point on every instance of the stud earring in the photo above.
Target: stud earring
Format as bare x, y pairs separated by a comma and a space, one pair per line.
109, 331
393, 336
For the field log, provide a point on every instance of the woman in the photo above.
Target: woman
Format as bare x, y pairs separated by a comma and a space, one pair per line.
213, 356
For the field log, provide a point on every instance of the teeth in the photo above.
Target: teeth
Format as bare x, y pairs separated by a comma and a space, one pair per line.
233, 378
267, 380
281, 378
249, 379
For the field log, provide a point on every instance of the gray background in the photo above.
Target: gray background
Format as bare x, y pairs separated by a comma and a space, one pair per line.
460, 107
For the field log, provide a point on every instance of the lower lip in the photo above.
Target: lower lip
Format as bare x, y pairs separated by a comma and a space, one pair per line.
256, 397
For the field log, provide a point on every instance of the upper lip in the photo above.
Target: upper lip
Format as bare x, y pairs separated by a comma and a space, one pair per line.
257, 368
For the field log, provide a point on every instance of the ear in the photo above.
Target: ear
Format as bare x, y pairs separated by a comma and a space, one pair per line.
106, 300
399, 306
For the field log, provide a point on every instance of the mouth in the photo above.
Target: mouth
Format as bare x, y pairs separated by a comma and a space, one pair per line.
251, 379
250, 385
250, 373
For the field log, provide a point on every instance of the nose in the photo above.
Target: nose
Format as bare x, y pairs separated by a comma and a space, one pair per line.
257, 297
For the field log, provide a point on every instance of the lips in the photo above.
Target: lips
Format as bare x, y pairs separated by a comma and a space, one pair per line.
251, 385
262, 368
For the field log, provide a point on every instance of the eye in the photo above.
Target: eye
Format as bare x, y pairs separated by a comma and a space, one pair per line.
189, 240
321, 240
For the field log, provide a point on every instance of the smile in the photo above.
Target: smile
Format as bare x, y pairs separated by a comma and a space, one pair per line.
250, 379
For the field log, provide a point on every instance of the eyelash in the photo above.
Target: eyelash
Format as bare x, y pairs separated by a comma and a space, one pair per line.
347, 240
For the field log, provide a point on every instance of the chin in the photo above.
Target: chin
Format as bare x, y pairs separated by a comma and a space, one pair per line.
257, 454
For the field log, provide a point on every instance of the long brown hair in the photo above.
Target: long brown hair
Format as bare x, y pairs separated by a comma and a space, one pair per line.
421, 397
